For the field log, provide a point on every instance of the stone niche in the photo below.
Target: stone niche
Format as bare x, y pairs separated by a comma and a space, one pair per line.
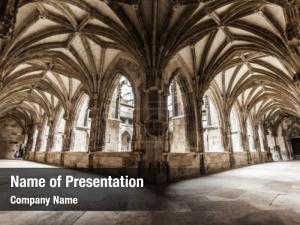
11, 137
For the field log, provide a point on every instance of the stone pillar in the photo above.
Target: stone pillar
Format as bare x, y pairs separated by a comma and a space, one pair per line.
94, 121
226, 136
276, 147
31, 133
118, 101
95, 115
151, 131
50, 136
287, 147
266, 145
174, 98
244, 138
257, 141
68, 139
39, 138
200, 131
134, 133
289, 144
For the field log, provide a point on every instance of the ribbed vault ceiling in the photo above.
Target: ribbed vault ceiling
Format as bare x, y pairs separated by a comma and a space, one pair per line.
61, 48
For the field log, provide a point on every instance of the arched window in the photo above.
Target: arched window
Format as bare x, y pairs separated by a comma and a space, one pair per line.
176, 118
211, 126
82, 127
235, 131
250, 136
120, 116
58, 134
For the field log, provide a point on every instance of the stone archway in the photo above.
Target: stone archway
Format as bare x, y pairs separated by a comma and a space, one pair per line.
182, 120
293, 134
120, 115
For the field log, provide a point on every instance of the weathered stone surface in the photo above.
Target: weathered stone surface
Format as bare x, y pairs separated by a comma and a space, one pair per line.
183, 165
60, 78
11, 138
240, 159
53, 158
255, 157
216, 162
75, 159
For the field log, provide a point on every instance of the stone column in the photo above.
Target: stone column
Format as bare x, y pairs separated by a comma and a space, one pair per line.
50, 136
287, 147
39, 138
200, 131
151, 131
266, 145
276, 147
174, 99
98, 106
68, 139
95, 113
244, 138
226, 136
118, 101
257, 141
31, 133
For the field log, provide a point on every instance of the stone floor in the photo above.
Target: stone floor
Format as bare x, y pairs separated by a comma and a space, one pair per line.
267, 194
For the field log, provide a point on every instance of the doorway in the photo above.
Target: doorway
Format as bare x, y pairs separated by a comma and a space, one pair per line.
296, 145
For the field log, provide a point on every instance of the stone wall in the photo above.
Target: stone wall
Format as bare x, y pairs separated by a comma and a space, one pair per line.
115, 163
183, 165
29, 156
81, 140
216, 162
11, 137
285, 155
265, 157
255, 158
177, 134
112, 135
40, 157
213, 140
276, 154
53, 158
240, 159
75, 160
